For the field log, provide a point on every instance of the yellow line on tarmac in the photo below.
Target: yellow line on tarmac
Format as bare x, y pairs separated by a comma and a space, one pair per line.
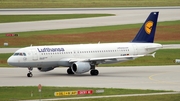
151, 77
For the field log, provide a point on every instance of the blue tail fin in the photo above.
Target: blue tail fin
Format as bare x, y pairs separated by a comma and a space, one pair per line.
147, 32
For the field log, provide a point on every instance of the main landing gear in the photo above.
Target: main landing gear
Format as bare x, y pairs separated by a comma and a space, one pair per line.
69, 71
94, 72
30, 73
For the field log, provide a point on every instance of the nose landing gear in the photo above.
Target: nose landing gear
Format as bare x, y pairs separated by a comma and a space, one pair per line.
30, 73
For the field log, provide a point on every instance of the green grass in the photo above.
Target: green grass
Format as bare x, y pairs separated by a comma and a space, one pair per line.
20, 18
163, 57
168, 42
167, 97
20, 93
3, 59
85, 3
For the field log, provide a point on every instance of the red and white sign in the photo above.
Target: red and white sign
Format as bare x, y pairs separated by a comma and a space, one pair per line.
10, 34
80, 92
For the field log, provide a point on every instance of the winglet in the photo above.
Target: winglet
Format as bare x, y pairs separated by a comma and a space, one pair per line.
147, 32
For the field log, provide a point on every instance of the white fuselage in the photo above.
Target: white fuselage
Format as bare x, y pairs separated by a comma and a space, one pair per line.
61, 55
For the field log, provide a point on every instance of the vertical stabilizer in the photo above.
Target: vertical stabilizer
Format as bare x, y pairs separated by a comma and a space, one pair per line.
147, 32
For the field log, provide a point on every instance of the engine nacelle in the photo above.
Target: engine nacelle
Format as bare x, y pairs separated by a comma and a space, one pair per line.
45, 69
80, 67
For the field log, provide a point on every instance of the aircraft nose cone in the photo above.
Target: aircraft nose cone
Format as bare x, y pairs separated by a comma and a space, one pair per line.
10, 61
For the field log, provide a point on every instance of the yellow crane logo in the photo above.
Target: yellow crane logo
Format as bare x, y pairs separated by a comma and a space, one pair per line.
148, 27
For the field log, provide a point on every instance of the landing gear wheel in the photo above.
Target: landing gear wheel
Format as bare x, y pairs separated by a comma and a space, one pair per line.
29, 74
69, 71
94, 72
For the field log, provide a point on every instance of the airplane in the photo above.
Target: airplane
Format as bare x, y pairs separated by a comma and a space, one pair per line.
82, 58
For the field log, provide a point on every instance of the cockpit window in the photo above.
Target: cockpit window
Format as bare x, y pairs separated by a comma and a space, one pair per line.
24, 54
19, 54
15, 54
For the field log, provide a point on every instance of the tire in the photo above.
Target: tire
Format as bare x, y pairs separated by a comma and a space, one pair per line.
69, 71
29, 74
94, 72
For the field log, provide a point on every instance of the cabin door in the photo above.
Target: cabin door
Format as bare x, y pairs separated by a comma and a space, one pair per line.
34, 54
135, 49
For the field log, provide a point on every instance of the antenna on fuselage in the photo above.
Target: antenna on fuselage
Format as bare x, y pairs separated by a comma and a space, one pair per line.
99, 42
31, 45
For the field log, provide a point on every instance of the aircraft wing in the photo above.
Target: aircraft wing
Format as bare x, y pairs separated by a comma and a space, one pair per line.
106, 58
116, 57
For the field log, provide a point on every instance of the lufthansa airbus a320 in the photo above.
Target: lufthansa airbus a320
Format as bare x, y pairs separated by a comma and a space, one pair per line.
82, 58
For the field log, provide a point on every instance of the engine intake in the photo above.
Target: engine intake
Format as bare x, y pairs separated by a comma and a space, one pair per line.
80, 67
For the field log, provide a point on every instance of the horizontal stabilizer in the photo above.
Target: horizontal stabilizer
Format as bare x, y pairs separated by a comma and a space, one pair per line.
153, 54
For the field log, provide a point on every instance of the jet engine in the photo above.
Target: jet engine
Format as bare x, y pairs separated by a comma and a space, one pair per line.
45, 69
80, 67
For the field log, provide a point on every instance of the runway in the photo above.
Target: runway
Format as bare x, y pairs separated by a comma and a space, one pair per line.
135, 77
122, 16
